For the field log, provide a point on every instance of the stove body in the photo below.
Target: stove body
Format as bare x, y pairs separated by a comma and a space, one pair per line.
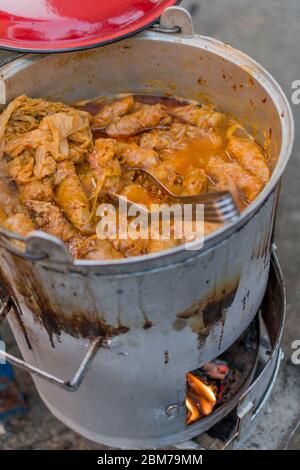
246, 404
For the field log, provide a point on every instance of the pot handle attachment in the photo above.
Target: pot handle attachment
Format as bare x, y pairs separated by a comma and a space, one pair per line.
71, 385
37, 246
175, 20
42, 245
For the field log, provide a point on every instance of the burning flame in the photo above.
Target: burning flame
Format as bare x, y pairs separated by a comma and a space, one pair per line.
200, 400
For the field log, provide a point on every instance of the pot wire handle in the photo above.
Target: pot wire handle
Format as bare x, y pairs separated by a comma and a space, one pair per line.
68, 385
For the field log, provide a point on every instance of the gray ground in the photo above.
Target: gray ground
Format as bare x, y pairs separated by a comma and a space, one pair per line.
269, 31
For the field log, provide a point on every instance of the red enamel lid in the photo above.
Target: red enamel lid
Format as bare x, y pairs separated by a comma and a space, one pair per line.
64, 25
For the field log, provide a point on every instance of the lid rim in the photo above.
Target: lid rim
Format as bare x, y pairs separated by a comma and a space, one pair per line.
78, 48
12, 44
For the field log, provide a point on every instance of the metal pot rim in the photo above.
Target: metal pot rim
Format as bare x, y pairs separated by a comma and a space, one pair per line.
283, 107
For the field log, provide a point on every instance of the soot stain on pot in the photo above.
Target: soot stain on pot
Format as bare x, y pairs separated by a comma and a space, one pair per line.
119, 292
52, 317
18, 315
166, 357
245, 299
208, 311
13, 306
263, 250
147, 323
179, 324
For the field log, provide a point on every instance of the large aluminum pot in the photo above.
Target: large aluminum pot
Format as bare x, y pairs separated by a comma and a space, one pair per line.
158, 316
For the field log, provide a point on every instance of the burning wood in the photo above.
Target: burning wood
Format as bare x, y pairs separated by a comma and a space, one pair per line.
204, 388
216, 370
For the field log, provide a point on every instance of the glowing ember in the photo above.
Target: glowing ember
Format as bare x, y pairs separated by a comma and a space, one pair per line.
202, 393
215, 371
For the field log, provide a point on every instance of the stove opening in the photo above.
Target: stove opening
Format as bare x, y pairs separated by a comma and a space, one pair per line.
205, 389
222, 380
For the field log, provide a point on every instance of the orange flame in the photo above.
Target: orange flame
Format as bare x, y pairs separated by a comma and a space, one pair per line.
200, 399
